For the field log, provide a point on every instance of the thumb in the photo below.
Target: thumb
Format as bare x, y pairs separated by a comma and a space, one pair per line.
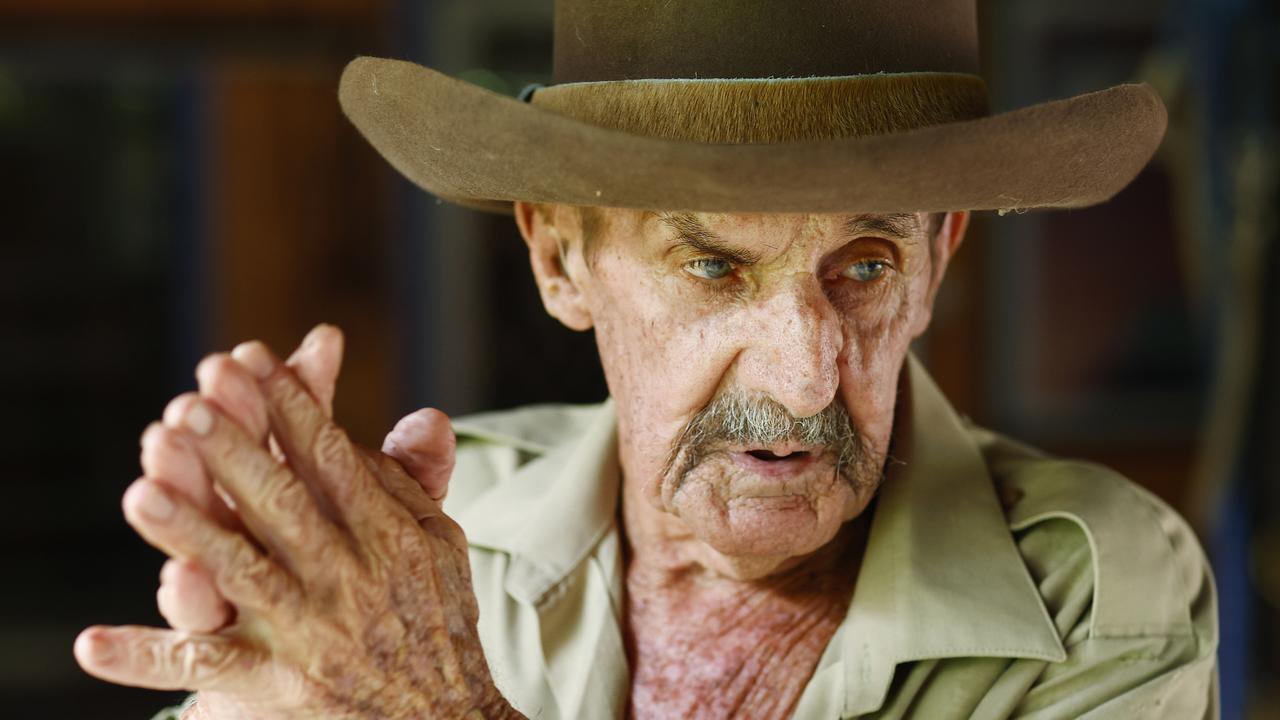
423, 442
317, 362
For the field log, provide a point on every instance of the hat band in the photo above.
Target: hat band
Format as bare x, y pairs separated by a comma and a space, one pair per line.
771, 110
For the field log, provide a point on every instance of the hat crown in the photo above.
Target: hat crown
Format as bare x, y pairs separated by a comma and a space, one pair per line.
599, 40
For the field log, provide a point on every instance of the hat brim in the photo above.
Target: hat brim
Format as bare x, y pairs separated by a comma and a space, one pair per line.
477, 148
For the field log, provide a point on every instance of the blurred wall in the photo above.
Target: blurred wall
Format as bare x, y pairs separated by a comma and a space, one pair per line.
177, 178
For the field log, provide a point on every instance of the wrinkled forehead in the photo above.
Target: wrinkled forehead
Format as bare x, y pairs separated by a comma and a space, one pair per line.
900, 226
764, 233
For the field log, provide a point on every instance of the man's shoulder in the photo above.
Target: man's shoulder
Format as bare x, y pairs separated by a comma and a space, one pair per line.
1093, 538
493, 445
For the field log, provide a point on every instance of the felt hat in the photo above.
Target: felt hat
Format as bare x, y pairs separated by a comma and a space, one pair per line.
755, 106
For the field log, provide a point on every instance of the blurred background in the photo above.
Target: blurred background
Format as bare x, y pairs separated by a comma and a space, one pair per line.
177, 177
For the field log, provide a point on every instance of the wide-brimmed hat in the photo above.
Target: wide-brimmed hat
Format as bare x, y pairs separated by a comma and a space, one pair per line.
755, 105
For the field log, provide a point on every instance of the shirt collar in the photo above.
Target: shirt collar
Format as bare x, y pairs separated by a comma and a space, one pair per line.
555, 508
941, 576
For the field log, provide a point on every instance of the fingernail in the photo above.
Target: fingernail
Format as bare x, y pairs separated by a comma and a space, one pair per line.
198, 419
101, 650
254, 356
153, 503
313, 338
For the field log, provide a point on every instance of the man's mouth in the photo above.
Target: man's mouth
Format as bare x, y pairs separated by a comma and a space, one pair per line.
776, 460
769, 455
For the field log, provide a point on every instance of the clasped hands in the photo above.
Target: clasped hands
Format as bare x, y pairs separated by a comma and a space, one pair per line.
309, 577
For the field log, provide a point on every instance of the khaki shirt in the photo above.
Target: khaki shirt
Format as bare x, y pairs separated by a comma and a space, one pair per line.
997, 582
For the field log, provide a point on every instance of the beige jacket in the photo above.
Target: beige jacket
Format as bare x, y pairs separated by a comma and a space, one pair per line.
997, 582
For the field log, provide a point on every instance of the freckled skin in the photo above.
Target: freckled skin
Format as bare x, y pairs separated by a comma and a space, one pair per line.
774, 629
735, 583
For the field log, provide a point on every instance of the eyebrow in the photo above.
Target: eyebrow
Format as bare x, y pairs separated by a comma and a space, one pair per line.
692, 232
900, 226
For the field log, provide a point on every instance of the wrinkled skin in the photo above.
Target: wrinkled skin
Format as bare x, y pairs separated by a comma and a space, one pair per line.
350, 589
789, 327
312, 578
737, 558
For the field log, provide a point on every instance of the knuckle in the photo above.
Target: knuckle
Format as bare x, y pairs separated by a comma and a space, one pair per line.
249, 575
228, 452
382, 549
285, 496
384, 629
332, 448
363, 594
239, 554
289, 394
405, 538
191, 660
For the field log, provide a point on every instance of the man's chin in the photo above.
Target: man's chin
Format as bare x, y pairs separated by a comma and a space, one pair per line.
762, 518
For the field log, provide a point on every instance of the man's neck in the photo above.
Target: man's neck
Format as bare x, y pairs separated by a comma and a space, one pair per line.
706, 644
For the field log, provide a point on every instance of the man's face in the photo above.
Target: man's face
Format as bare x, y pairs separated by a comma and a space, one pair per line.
754, 360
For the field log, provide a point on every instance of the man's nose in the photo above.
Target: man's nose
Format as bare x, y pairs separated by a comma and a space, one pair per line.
791, 355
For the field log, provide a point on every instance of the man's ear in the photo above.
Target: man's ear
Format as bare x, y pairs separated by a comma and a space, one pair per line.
553, 233
947, 242
943, 246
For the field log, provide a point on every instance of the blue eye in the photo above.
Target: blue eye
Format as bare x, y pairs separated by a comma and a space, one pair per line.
866, 270
709, 268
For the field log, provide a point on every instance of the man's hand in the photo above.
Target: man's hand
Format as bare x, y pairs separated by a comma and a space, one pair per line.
421, 444
351, 589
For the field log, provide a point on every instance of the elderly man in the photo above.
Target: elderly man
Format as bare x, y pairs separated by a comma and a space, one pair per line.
777, 513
